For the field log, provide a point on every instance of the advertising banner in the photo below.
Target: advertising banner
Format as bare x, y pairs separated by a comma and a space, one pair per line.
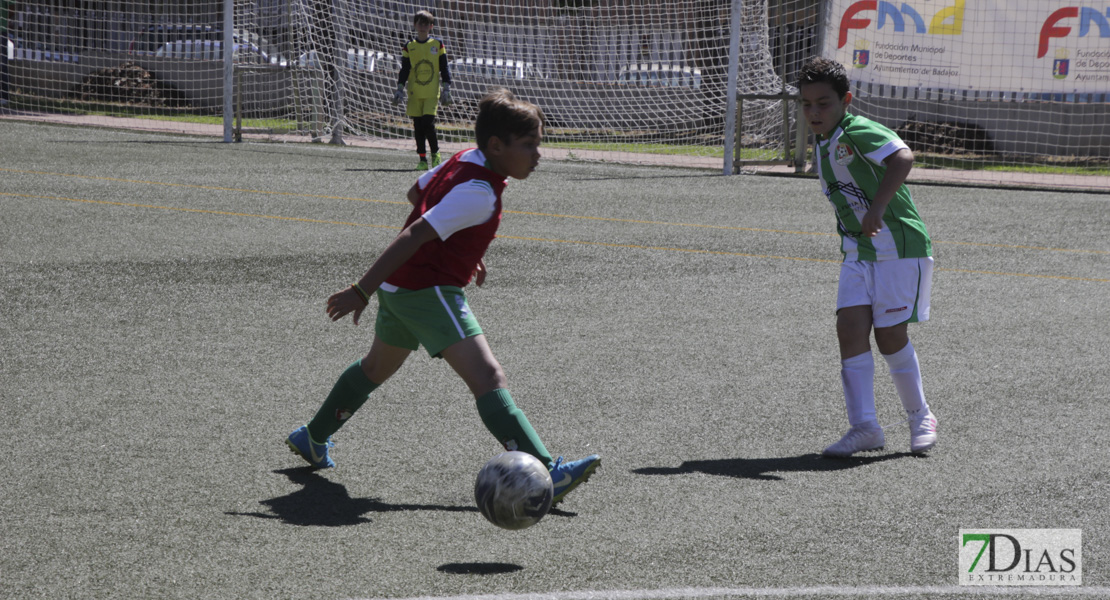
1039, 46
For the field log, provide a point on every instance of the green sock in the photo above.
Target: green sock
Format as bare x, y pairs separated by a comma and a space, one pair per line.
508, 424
348, 395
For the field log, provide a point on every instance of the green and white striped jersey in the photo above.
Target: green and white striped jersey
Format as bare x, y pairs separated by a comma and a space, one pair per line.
851, 166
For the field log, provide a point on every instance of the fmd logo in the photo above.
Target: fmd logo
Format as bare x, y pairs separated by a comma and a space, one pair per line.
946, 21
1025, 557
1057, 25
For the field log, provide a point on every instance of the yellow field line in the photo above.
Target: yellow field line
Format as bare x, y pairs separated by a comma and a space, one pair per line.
201, 187
758, 230
528, 213
522, 238
1033, 275
665, 248
776, 257
200, 210
667, 223
1022, 247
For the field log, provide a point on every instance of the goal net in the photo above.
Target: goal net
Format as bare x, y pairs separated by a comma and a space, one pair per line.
617, 79
634, 80
976, 88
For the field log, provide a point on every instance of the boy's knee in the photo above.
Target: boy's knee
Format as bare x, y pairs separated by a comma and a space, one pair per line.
853, 322
489, 378
378, 369
891, 339
375, 373
494, 378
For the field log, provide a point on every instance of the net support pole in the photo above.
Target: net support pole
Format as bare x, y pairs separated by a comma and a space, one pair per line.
229, 70
733, 78
801, 146
339, 55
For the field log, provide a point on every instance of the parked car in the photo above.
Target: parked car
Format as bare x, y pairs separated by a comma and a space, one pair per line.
250, 48
660, 75
157, 36
357, 59
495, 68
244, 53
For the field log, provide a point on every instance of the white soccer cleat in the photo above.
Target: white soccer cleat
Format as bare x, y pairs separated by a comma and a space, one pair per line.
923, 432
859, 438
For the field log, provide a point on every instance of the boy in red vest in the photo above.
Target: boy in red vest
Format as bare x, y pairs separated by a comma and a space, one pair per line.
418, 282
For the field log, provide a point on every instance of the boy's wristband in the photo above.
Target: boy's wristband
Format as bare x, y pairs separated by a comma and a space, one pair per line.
361, 294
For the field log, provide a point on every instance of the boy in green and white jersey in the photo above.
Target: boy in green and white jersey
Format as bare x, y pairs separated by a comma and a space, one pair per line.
886, 276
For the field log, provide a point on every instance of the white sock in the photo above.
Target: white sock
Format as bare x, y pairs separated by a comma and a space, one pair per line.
906, 373
857, 373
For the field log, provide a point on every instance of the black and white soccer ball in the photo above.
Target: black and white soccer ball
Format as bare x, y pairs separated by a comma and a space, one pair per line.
514, 490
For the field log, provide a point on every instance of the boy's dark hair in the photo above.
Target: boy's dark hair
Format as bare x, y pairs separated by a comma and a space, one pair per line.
823, 70
424, 16
502, 114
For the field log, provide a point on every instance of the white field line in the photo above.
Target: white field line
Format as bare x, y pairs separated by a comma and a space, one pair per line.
789, 592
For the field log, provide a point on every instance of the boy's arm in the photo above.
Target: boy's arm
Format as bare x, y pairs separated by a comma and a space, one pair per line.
480, 273
444, 71
898, 167
414, 194
402, 80
445, 80
406, 68
399, 250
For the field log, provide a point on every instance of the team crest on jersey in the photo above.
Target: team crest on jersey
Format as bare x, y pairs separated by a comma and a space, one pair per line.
844, 154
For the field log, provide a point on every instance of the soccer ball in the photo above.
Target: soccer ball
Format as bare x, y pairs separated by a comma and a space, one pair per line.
513, 490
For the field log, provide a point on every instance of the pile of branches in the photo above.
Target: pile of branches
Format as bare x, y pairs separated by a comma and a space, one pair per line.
130, 84
948, 137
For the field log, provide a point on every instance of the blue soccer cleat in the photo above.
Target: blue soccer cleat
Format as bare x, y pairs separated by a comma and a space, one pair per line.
565, 476
300, 442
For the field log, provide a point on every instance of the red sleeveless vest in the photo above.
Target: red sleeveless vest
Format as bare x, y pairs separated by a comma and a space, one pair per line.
451, 261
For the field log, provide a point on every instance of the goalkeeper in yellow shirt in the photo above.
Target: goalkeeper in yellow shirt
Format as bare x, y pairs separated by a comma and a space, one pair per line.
425, 76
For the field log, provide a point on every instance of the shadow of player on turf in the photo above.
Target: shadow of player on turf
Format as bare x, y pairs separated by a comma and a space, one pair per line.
764, 468
483, 568
324, 503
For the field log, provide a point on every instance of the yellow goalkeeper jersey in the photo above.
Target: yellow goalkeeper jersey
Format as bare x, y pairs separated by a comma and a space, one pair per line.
424, 71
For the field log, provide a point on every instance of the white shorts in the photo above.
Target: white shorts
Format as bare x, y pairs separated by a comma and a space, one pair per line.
896, 290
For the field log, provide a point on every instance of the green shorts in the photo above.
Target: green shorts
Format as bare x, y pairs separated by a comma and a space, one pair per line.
435, 317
